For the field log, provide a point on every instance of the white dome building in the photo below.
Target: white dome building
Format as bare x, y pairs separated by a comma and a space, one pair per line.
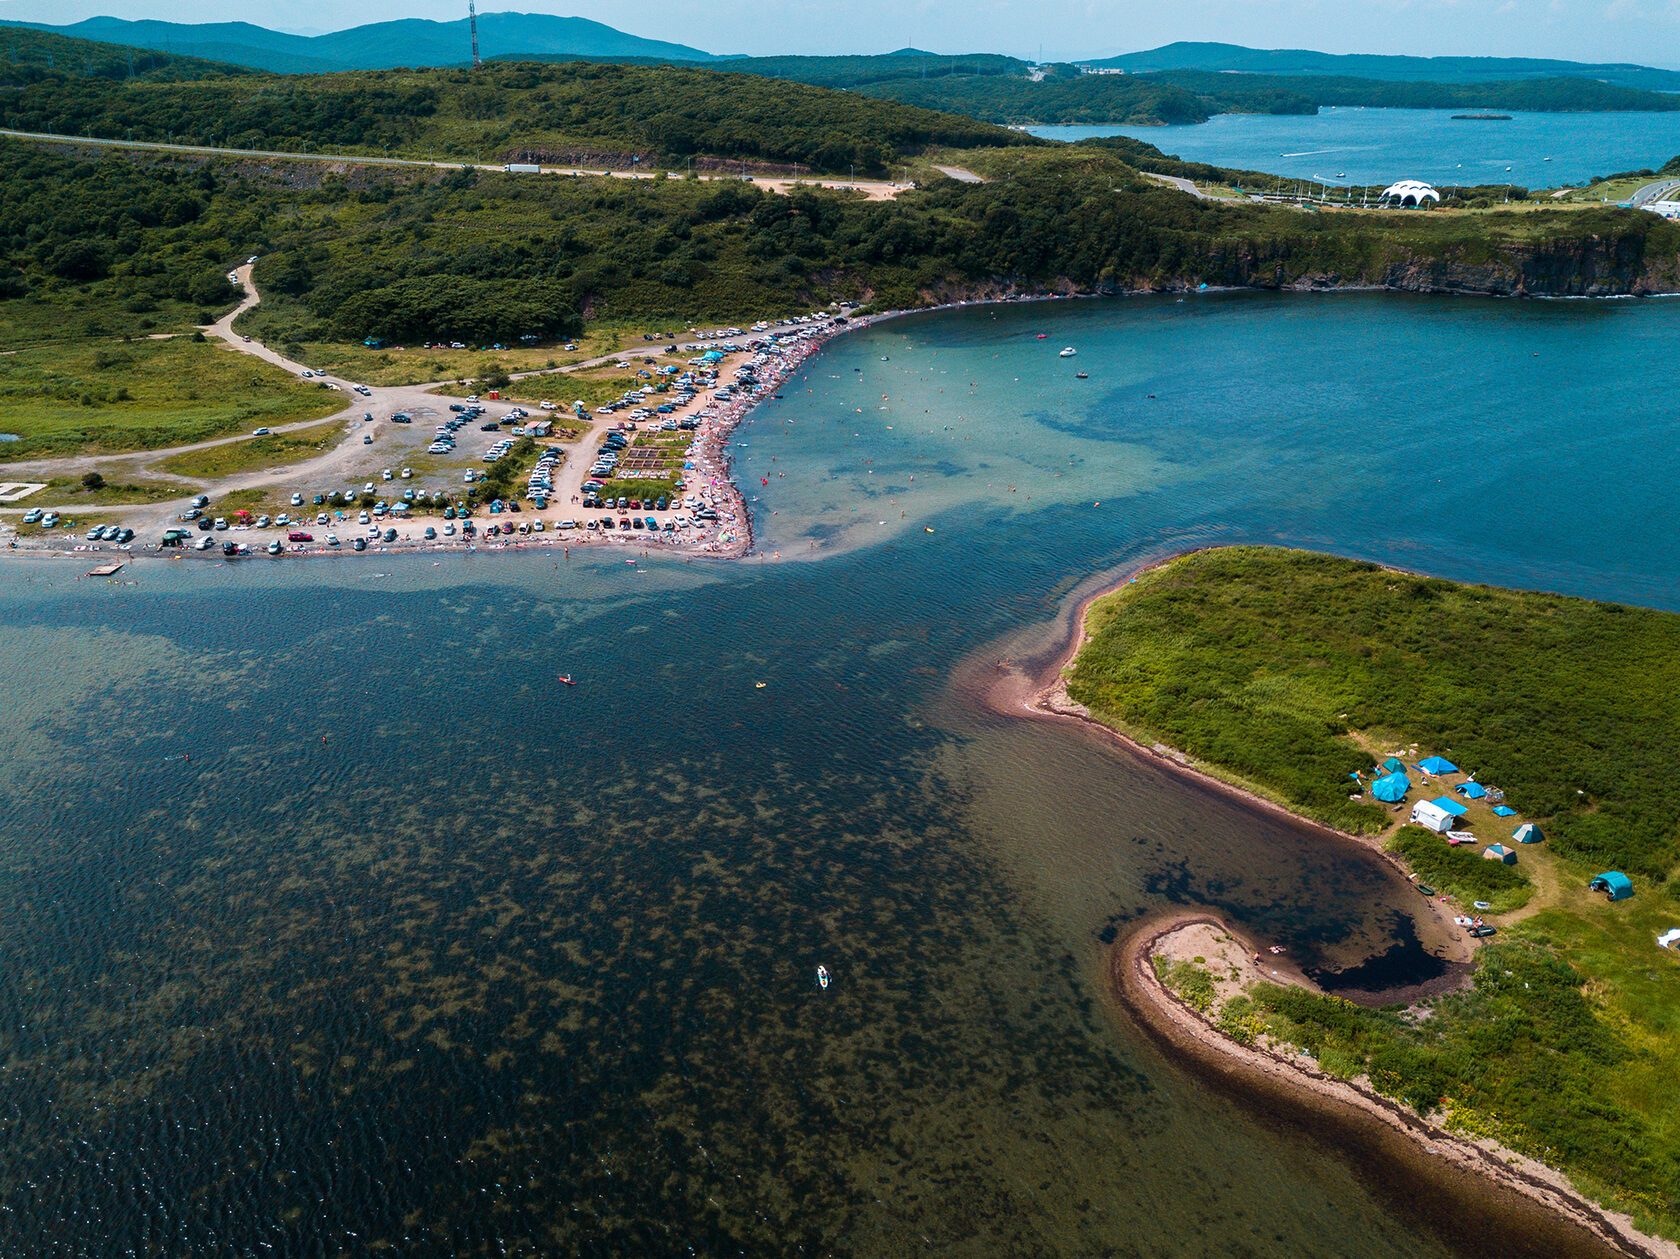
1410, 192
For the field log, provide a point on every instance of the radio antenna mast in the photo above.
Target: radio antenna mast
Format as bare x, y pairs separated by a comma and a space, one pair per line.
472, 20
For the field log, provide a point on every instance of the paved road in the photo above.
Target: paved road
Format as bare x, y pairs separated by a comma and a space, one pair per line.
959, 174
1183, 185
873, 189
1654, 192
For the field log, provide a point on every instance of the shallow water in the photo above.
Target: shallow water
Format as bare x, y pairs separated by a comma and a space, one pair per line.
1378, 146
506, 967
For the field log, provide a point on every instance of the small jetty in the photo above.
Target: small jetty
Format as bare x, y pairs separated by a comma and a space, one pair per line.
105, 570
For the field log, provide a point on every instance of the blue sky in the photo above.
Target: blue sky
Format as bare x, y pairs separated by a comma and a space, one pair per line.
1646, 31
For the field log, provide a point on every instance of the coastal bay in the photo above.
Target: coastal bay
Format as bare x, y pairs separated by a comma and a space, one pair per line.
545, 988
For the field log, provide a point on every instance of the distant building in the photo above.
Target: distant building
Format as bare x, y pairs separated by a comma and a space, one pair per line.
1409, 194
1101, 70
1668, 209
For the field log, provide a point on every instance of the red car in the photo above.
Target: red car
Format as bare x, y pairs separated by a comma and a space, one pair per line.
300, 537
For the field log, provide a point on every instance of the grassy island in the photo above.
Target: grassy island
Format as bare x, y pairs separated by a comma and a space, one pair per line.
1286, 672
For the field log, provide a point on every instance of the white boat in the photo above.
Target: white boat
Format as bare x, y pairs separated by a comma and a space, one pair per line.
1067, 352
822, 977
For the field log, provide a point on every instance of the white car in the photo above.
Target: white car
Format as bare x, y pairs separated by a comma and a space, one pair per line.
468, 477
385, 475
368, 488
297, 500
407, 473
206, 542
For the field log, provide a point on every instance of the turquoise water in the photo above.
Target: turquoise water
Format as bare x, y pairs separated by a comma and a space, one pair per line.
1379, 146
507, 967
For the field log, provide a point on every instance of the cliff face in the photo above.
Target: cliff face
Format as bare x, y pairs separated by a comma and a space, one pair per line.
1594, 267
1635, 261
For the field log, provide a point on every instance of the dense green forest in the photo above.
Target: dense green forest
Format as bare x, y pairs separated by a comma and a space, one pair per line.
1184, 96
349, 255
30, 56
577, 111
1254, 93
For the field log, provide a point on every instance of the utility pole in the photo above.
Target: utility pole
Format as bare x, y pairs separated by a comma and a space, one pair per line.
472, 21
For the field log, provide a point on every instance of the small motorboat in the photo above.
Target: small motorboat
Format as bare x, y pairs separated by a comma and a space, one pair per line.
1041, 336
1082, 375
1067, 352
567, 679
822, 977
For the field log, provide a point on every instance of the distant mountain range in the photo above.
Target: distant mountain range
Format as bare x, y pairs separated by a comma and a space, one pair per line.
381, 45
1298, 61
543, 37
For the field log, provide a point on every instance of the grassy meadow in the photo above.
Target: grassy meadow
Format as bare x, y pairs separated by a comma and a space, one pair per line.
273, 451
1286, 669
106, 397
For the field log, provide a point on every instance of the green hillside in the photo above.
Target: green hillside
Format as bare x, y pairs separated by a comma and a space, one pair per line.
569, 113
32, 56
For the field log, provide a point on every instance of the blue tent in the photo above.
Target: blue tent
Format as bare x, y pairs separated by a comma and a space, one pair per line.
1500, 810
1393, 765
1528, 833
1391, 788
1436, 765
1450, 805
1500, 853
1615, 885
1474, 790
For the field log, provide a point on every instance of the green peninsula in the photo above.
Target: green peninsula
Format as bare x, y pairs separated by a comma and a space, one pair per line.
1286, 672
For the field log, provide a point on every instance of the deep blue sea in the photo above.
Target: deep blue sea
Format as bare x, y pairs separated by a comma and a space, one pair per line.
331, 924
1360, 146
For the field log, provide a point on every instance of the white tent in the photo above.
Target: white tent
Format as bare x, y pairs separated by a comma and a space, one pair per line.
1410, 192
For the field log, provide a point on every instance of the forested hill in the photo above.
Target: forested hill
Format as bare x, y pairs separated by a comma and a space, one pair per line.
1251, 93
383, 45
582, 113
1182, 96
1226, 58
28, 56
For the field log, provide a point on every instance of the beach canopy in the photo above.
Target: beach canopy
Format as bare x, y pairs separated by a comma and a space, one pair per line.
1437, 765
1498, 852
1500, 810
1393, 765
1615, 885
1391, 788
1449, 805
1473, 790
1528, 833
